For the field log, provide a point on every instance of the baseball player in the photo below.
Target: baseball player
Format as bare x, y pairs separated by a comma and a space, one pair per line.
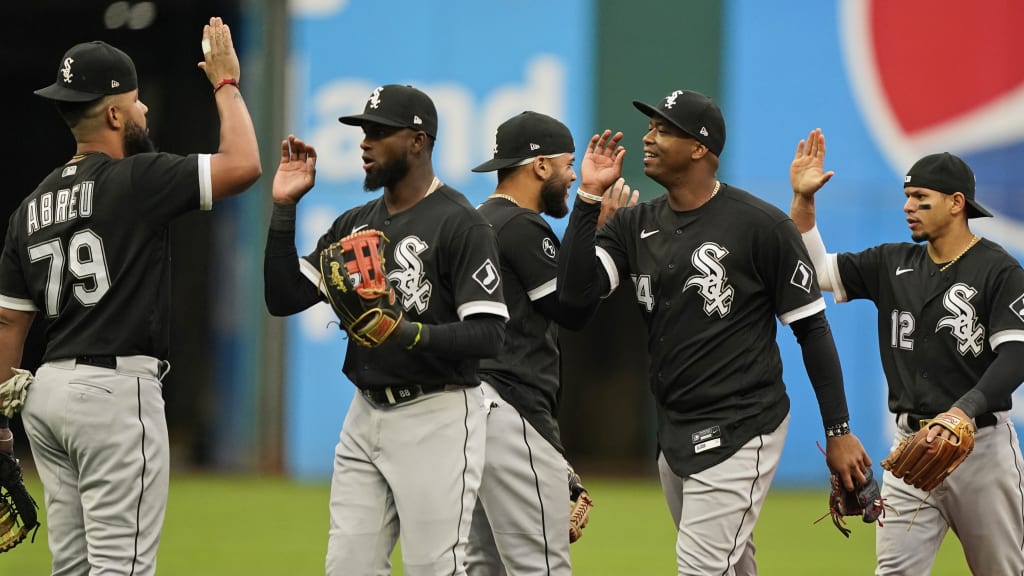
88, 250
951, 337
713, 268
411, 450
521, 520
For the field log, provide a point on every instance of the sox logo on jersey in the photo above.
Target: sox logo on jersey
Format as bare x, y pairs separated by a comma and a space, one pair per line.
712, 283
408, 277
963, 324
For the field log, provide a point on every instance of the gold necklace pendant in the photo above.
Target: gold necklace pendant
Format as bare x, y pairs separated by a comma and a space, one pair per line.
958, 256
506, 197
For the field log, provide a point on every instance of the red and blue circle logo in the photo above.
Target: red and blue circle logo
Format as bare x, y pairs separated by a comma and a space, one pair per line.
945, 75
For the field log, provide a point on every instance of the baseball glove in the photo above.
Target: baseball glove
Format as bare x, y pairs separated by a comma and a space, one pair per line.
865, 501
17, 508
924, 465
579, 506
13, 392
357, 287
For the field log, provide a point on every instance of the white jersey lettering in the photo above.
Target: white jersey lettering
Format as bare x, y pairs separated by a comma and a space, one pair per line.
712, 285
963, 324
408, 278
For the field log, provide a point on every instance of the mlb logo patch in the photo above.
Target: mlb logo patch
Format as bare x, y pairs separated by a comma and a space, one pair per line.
803, 277
487, 276
1018, 307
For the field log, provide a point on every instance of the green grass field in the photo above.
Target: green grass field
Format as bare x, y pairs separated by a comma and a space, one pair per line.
222, 526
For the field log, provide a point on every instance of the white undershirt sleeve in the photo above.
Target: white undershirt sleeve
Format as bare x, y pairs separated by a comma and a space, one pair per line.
819, 258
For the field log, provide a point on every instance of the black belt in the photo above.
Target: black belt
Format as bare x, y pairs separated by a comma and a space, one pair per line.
393, 395
981, 420
98, 361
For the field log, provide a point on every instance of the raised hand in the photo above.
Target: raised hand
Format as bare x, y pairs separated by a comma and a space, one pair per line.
615, 197
220, 58
296, 174
807, 172
602, 163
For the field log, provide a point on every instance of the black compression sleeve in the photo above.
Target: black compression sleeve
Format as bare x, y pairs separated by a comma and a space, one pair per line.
580, 282
4, 422
821, 360
1002, 377
479, 336
285, 289
572, 317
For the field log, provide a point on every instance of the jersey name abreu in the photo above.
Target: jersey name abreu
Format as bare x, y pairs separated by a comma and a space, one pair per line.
64, 205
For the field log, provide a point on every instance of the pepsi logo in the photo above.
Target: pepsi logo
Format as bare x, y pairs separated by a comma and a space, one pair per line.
942, 75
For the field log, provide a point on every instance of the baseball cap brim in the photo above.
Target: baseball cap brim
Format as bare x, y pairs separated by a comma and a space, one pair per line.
497, 164
58, 92
651, 111
361, 119
976, 210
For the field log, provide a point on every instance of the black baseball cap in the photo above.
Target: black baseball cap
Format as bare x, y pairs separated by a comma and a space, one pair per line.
946, 173
525, 136
90, 71
693, 113
398, 106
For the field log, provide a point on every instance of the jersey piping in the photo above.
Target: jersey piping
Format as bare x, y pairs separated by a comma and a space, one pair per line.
609, 268
543, 290
802, 312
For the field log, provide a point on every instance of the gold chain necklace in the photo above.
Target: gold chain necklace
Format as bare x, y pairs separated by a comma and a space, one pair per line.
506, 197
958, 256
715, 191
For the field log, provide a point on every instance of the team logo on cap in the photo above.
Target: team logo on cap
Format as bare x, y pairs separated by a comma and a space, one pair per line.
670, 100
375, 98
65, 70
703, 131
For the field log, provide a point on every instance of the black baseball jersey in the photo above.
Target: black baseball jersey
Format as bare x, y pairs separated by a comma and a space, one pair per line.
88, 249
710, 284
442, 260
937, 330
526, 373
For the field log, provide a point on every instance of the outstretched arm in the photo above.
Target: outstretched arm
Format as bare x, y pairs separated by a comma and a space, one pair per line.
579, 278
286, 289
236, 165
844, 453
807, 175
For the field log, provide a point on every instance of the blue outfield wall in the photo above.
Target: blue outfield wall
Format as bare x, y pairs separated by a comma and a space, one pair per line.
883, 101
478, 70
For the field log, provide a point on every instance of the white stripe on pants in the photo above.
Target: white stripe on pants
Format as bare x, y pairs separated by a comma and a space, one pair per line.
715, 510
99, 441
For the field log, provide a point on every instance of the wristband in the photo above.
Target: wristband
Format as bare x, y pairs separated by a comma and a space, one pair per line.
416, 340
841, 429
224, 82
589, 196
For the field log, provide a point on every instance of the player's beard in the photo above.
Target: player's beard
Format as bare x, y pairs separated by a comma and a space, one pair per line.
920, 236
136, 140
386, 175
552, 197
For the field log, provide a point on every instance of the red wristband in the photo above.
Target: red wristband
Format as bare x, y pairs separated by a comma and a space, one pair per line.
222, 83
